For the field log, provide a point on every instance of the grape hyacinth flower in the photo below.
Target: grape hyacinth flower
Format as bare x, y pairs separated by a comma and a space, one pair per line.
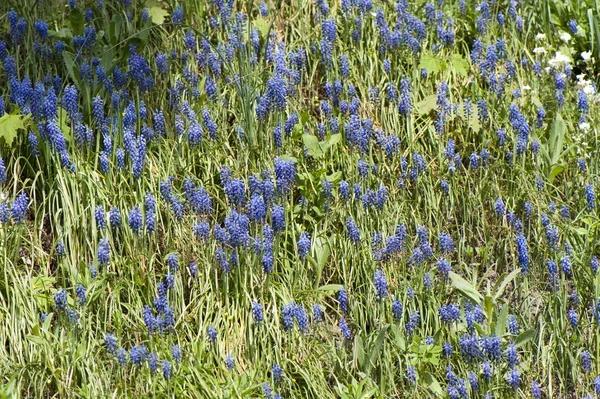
304, 244
381, 285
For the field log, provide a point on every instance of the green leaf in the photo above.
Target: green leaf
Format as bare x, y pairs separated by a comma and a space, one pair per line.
77, 21
312, 144
42, 283
331, 287
158, 14
556, 170
35, 339
433, 384
557, 136
465, 288
331, 141
431, 63
459, 64
426, 105
502, 320
10, 125
505, 282
359, 351
114, 29
377, 349
474, 122
63, 34
70, 65
262, 26
63, 124
525, 337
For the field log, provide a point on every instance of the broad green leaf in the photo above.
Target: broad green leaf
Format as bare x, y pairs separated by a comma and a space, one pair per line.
433, 384
77, 21
35, 339
465, 288
505, 282
431, 63
331, 287
359, 351
42, 283
331, 141
9, 127
426, 105
525, 337
312, 144
335, 177
158, 14
474, 122
459, 64
63, 34
63, 123
262, 26
557, 136
304, 117
377, 348
70, 64
502, 320
556, 170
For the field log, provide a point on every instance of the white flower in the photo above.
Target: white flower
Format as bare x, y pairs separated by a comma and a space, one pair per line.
526, 88
564, 36
559, 59
539, 50
584, 126
540, 36
589, 89
586, 55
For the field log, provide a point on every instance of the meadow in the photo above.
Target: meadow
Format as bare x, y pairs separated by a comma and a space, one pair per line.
299, 199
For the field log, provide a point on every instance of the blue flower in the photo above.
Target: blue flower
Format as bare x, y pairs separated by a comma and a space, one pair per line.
345, 329
513, 326
176, 353
301, 318
523, 253
115, 218
512, 357
343, 300
110, 341
166, 370
138, 354
60, 299
353, 231
449, 313
318, 313
573, 317
135, 219
277, 373
288, 314
304, 244
586, 361
230, 362
447, 349
590, 196
381, 285
514, 379
212, 334
536, 392
19, 207
257, 312
397, 309
178, 16
99, 215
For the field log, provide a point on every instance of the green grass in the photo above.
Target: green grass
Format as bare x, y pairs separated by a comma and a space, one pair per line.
57, 358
